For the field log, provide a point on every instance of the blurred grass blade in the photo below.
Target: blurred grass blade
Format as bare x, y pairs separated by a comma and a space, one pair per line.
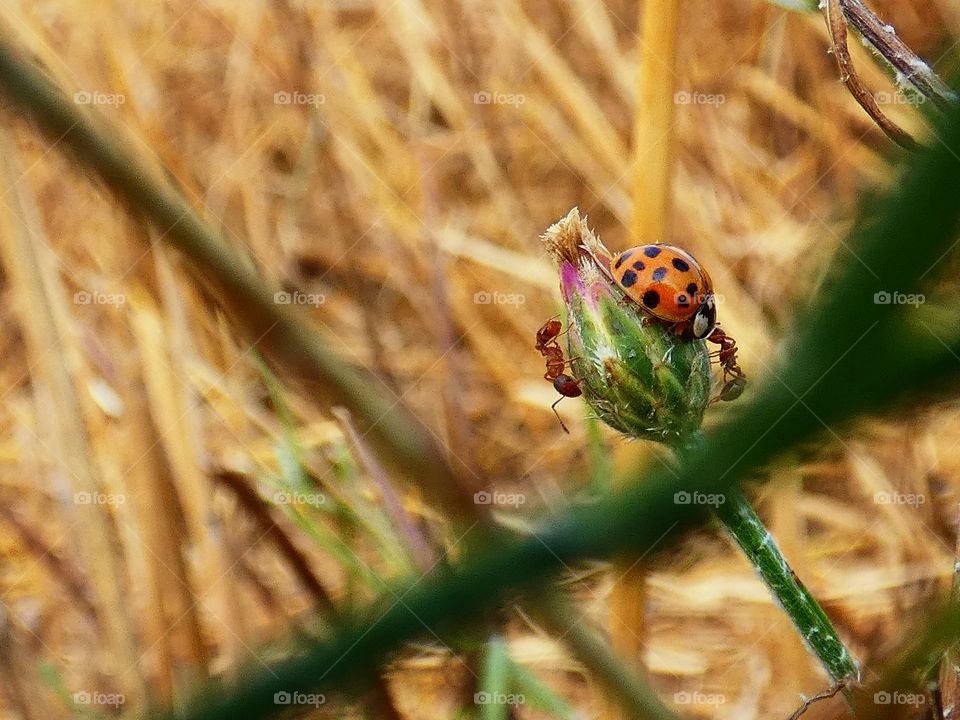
495, 681
280, 332
537, 695
795, 5
622, 682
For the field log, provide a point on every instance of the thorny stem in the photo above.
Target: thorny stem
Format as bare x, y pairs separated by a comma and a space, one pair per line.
747, 529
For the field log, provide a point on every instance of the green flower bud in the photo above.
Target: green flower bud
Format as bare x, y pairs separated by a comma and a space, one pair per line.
635, 373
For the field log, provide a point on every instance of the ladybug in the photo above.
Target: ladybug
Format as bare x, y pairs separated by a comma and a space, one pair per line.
670, 285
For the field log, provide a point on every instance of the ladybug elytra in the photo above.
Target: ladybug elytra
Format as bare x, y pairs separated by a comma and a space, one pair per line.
670, 285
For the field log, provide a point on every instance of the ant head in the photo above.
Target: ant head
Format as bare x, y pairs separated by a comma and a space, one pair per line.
550, 330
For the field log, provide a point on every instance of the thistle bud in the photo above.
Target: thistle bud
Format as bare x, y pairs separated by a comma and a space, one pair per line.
635, 373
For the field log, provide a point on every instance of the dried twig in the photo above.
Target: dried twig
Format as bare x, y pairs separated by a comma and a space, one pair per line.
837, 26
259, 512
832, 692
910, 67
950, 664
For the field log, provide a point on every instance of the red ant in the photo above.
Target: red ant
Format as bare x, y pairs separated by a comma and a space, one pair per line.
727, 356
550, 349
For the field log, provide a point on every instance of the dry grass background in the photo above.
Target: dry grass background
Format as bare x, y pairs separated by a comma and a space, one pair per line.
398, 198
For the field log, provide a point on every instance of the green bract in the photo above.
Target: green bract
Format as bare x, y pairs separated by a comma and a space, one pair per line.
637, 376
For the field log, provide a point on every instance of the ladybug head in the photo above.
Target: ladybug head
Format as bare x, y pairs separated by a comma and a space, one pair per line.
705, 319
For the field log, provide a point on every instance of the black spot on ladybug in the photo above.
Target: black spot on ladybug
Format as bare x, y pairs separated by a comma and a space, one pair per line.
638, 265
651, 298
659, 274
629, 279
683, 301
680, 265
651, 251
692, 288
622, 259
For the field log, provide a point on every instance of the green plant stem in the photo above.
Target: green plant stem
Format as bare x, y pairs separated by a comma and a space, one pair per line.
495, 680
746, 527
637, 698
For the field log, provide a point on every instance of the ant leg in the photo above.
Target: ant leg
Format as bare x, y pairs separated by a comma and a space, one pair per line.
554, 408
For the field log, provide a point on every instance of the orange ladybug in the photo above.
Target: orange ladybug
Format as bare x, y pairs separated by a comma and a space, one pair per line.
669, 284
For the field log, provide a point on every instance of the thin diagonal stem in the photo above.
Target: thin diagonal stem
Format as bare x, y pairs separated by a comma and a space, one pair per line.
756, 542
